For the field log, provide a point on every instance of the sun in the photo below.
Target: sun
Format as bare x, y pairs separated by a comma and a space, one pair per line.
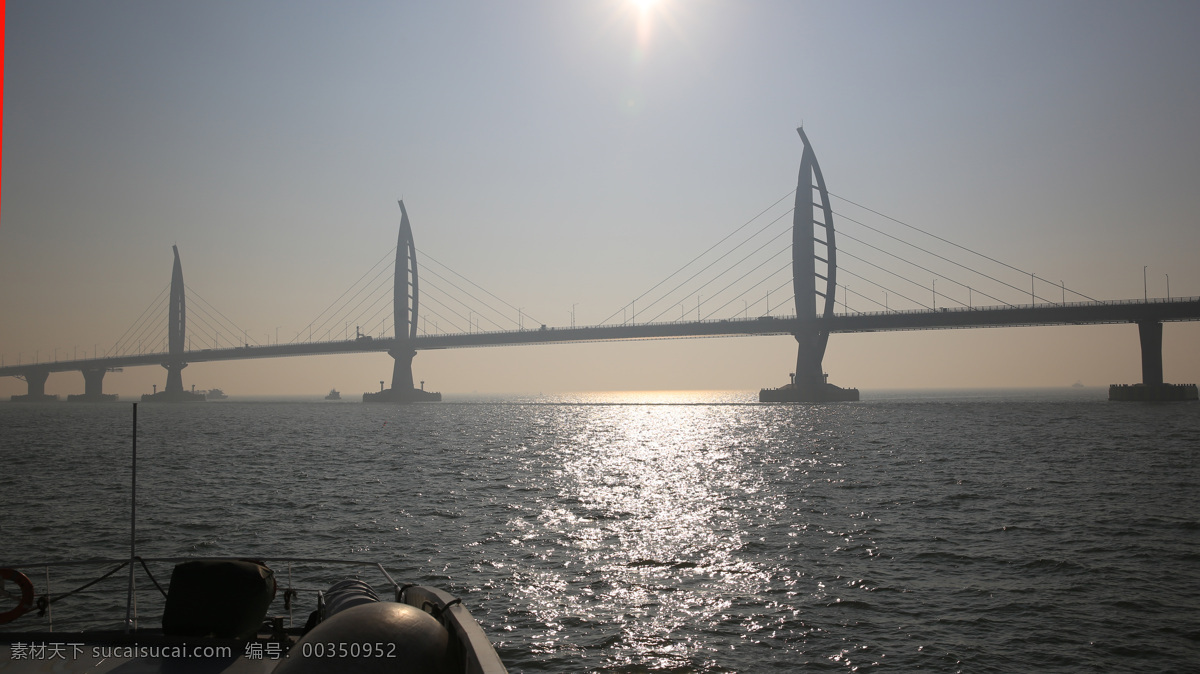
644, 5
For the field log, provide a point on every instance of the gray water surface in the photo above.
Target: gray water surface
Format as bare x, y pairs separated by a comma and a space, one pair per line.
941, 531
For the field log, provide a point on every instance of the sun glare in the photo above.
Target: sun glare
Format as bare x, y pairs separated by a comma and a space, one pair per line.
645, 9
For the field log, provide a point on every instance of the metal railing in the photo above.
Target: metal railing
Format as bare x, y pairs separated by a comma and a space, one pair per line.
47, 598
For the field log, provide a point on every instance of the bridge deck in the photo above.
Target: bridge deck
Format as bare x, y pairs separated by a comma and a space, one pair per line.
1083, 313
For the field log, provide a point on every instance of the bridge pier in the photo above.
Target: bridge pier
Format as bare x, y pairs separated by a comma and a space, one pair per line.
173, 392
402, 378
1152, 388
174, 377
809, 382
35, 380
93, 387
1150, 335
402, 390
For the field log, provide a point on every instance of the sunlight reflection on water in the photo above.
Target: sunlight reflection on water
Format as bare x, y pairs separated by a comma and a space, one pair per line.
659, 397
648, 502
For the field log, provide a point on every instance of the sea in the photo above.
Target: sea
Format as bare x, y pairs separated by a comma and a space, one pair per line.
946, 531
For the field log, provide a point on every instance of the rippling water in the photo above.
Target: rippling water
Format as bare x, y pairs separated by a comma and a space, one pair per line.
675, 532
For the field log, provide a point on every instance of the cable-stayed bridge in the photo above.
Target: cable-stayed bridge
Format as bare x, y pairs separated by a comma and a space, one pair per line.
393, 300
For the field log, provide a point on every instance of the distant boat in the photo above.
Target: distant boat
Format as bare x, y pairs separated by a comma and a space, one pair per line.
333, 395
215, 394
1077, 384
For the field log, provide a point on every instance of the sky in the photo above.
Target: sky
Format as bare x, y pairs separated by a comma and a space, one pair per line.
567, 156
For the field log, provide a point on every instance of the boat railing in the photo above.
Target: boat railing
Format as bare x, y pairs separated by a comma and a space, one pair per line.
50, 588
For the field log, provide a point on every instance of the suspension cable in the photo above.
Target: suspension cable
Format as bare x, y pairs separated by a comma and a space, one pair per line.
153, 303
710, 264
974, 271
447, 268
706, 252
922, 268
935, 236
885, 288
743, 293
481, 302
385, 257
200, 307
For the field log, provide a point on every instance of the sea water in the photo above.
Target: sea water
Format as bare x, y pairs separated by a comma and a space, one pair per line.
656, 532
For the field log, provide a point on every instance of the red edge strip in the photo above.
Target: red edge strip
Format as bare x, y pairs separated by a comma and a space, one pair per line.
3, 14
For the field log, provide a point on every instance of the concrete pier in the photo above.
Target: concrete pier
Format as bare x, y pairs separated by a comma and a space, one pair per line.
1152, 388
35, 380
93, 388
402, 390
174, 393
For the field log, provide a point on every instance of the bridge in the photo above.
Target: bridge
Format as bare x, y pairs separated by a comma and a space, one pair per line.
814, 271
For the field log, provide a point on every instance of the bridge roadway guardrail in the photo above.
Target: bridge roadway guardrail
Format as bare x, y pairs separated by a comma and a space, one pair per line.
1071, 313
1077, 313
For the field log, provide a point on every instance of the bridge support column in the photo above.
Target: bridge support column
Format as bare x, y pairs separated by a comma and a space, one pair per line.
35, 380
93, 382
402, 379
1152, 387
809, 355
809, 382
173, 392
174, 377
402, 390
1150, 334
93, 387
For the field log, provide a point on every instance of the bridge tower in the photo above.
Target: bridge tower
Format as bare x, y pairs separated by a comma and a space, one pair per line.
406, 301
811, 255
176, 331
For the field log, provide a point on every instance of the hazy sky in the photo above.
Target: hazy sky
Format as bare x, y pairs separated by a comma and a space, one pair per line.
575, 153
